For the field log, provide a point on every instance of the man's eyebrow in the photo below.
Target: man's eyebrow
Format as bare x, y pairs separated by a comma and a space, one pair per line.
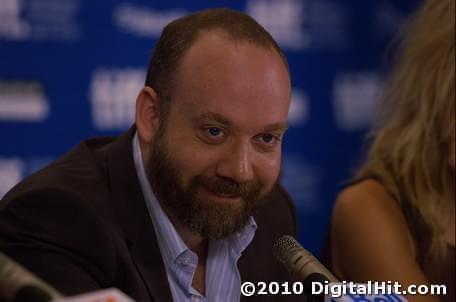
215, 117
281, 127
211, 116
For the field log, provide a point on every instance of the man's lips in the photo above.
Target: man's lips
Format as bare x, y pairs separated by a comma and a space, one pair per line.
221, 197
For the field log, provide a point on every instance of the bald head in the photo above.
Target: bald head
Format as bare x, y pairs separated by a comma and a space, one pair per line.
180, 35
216, 62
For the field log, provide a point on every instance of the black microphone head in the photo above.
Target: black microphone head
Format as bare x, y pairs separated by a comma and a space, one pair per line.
283, 246
301, 264
298, 260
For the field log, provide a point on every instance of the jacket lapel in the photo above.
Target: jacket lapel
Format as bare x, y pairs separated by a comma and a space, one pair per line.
136, 224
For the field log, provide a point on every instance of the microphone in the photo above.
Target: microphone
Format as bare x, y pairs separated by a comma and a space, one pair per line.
300, 262
19, 285
305, 267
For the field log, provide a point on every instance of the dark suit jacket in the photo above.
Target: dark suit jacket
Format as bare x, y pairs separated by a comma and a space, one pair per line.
82, 224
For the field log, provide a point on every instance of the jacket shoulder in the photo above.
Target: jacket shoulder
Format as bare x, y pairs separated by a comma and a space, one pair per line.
79, 171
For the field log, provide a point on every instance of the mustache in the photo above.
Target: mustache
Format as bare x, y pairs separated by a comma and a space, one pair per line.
225, 186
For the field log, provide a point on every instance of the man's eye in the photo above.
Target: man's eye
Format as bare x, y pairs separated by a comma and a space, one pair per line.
268, 141
214, 132
213, 135
267, 138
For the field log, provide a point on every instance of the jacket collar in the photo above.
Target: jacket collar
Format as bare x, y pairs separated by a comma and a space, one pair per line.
130, 207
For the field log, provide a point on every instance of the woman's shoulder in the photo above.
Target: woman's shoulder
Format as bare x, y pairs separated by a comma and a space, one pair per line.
370, 197
368, 218
368, 187
369, 201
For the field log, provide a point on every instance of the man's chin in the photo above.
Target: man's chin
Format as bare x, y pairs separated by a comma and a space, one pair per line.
218, 220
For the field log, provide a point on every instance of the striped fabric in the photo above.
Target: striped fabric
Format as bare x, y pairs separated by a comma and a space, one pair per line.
222, 275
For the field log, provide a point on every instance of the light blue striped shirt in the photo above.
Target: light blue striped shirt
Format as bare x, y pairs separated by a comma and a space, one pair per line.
222, 275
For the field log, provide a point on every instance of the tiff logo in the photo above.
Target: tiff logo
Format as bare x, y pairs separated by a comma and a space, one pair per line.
11, 172
113, 94
23, 101
143, 21
355, 99
299, 108
283, 19
11, 25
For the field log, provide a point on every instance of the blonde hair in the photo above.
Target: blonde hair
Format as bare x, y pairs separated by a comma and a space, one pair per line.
410, 151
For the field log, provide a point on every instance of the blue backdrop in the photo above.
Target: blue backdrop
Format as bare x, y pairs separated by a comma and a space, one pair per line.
71, 69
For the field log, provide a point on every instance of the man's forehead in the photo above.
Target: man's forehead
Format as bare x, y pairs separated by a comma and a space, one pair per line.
222, 36
218, 44
238, 82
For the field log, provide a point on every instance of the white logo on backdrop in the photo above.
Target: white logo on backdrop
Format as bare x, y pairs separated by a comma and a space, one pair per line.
113, 94
355, 96
299, 108
11, 172
143, 21
39, 20
11, 24
303, 24
23, 101
283, 19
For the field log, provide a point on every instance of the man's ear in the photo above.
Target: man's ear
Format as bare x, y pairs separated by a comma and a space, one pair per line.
147, 114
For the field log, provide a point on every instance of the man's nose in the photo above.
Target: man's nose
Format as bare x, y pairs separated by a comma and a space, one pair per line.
236, 164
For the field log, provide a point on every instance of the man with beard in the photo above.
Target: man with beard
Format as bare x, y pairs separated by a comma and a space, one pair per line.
185, 205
